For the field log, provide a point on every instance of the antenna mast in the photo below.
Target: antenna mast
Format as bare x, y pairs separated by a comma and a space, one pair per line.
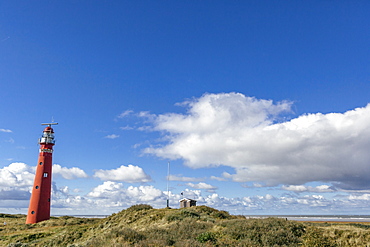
168, 190
49, 124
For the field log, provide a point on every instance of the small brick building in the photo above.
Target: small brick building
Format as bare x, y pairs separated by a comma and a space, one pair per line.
187, 203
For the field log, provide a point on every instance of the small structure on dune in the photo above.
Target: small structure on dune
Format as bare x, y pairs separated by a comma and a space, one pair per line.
187, 203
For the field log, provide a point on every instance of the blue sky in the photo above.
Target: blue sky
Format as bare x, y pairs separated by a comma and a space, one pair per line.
259, 106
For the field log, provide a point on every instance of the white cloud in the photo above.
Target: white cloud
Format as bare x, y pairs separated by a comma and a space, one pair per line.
126, 128
10, 140
303, 188
16, 181
215, 126
144, 193
110, 196
243, 133
106, 190
218, 178
117, 192
125, 114
114, 196
129, 174
6, 130
203, 186
112, 136
365, 197
257, 185
184, 179
269, 197
68, 173
17, 175
193, 194
314, 201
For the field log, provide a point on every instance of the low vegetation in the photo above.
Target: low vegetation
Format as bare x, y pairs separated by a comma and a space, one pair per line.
141, 225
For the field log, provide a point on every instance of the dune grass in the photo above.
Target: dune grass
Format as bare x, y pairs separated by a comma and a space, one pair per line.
141, 225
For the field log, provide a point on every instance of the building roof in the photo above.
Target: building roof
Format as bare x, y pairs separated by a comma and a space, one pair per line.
187, 199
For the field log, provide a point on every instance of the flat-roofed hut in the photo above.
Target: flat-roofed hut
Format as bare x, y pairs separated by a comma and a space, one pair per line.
187, 203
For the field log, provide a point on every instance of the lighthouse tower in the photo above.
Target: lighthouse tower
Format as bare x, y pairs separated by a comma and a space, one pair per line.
39, 208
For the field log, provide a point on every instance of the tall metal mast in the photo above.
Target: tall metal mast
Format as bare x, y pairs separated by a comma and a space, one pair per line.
168, 190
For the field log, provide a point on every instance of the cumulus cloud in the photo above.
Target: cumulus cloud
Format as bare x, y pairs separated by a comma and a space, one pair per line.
63, 202
116, 191
218, 178
184, 179
126, 128
106, 190
16, 181
112, 136
249, 135
111, 196
203, 186
10, 140
365, 197
69, 173
144, 193
129, 174
6, 130
303, 188
115, 196
16, 175
125, 114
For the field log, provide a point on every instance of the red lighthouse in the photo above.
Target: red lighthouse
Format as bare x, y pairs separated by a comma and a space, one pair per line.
39, 208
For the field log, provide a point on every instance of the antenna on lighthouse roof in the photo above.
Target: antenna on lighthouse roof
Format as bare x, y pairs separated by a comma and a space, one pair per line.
50, 124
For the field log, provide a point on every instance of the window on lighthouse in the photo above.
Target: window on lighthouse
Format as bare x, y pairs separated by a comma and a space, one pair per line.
45, 174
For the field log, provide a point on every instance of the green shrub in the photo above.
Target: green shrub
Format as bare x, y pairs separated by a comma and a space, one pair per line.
315, 237
221, 215
12, 216
187, 213
139, 207
182, 214
204, 209
207, 237
264, 232
126, 234
174, 217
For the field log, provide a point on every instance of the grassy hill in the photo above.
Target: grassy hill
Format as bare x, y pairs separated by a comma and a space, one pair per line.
141, 225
